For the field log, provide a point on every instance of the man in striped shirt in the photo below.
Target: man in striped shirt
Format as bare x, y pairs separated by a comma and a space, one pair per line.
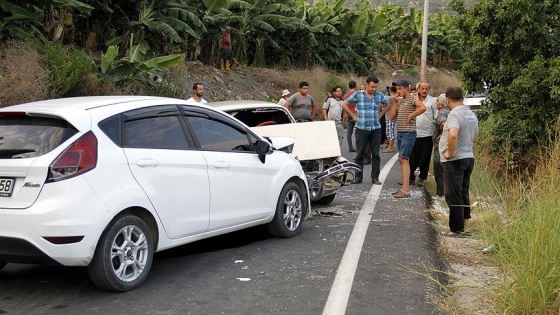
409, 107
368, 129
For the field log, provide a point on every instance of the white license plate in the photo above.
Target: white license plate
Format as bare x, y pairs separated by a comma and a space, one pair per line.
6, 186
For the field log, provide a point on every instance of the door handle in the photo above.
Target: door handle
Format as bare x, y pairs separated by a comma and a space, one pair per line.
221, 164
147, 162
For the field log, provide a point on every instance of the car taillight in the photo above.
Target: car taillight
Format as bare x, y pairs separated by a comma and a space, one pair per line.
78, 158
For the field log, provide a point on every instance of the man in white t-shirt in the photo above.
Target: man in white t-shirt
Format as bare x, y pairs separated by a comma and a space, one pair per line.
198, 91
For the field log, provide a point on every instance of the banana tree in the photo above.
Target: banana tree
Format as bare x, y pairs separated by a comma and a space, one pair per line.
20, 19
133, 66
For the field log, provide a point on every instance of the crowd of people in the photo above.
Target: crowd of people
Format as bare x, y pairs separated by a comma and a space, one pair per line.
408, 119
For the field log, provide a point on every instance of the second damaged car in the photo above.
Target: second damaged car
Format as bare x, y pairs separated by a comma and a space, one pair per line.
316, 144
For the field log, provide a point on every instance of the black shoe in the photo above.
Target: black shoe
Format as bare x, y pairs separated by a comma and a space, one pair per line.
352, 150
357, 181
375, 181
411, 183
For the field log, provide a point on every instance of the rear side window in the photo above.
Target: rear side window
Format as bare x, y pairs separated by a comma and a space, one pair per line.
27, 137
155, 133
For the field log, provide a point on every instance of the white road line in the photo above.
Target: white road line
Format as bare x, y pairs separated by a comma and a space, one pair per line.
340, 290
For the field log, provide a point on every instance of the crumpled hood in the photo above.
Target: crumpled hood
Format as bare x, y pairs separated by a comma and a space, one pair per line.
312, 140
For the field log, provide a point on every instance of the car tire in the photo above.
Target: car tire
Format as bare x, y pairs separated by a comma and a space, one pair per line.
325, 200
2, 265
290, 212
123, 256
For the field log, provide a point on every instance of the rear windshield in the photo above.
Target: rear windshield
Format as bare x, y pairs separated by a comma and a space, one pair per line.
26, 137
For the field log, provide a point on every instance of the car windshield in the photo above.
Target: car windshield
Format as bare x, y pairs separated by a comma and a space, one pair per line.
26, 137
255, 117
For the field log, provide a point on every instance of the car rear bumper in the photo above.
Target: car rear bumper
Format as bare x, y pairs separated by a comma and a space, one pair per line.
64, 210
17, 250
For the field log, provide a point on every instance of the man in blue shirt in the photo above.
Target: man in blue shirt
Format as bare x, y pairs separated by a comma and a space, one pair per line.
368, 129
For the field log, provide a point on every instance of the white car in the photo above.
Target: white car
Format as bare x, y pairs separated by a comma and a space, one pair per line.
474, 102
316, 144
105, 182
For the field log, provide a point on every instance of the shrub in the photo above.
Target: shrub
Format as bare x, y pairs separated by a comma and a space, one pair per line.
22, 77
67, 68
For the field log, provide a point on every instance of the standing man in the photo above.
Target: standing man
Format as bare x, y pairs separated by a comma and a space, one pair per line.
301, 104
198, 91
456, 154
369, 104
350, 122
443, 112
333, 111
225, 49
391, 123
284, 97
408, 108
425, 127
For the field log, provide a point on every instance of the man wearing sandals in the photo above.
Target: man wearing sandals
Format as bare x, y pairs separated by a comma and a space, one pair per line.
425, 126
408, 108
460, 132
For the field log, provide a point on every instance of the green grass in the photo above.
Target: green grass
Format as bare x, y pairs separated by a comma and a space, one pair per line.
523, 222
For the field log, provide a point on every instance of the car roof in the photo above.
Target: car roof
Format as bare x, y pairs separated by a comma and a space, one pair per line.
239, 105
85, 102
79, 110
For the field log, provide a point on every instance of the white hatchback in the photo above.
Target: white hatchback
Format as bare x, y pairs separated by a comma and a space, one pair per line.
105, 182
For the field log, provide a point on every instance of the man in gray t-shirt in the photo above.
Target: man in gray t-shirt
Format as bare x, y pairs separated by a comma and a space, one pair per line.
301, 104
460, 132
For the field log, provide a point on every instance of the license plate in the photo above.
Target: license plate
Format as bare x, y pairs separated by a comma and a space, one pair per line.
6, 186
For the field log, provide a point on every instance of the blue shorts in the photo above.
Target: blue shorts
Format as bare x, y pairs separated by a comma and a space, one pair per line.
405, 143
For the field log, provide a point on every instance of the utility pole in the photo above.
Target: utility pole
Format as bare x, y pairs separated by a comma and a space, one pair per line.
424, 40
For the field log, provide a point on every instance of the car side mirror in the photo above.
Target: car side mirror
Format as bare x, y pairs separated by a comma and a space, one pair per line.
263, 148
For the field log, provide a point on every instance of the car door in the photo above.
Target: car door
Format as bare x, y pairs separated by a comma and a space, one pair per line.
169, 169
240, 184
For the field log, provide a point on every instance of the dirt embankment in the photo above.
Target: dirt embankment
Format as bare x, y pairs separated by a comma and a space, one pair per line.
250, 83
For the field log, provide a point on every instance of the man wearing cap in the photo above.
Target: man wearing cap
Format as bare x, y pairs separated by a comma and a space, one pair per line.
369, 104
225, 49
408, 108
284, 97
460, 132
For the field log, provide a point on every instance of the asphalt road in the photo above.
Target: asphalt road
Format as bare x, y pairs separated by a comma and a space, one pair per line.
366, 253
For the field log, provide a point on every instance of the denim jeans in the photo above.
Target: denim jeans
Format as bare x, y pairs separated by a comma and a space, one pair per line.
373, 137
456, 182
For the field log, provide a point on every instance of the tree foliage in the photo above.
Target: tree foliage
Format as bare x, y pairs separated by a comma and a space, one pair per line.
511, 47
343, 35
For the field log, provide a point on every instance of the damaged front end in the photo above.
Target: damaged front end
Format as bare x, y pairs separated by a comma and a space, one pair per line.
326, 176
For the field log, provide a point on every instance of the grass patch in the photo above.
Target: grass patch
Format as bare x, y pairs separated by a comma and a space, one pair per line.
524, 225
